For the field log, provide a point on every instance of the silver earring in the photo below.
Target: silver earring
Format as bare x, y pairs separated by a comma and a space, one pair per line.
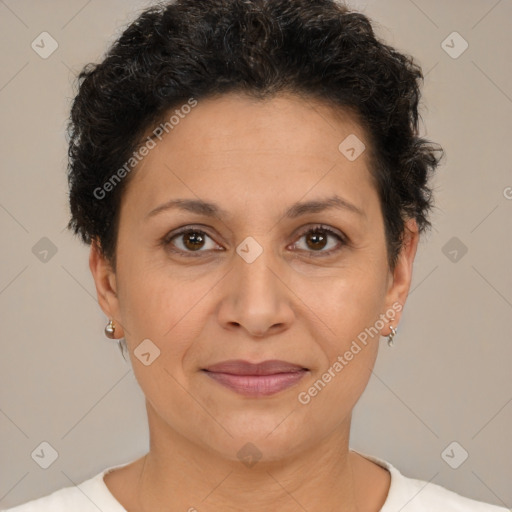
110, 330
121, 348
391, 336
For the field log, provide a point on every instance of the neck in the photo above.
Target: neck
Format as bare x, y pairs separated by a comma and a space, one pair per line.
191, 478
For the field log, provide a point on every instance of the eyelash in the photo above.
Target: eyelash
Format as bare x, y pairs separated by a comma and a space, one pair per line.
167, 240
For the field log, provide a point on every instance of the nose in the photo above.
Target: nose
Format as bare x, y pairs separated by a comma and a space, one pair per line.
255, 298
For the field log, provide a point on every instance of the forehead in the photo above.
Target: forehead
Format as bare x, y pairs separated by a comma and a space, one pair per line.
247, 145
233, 116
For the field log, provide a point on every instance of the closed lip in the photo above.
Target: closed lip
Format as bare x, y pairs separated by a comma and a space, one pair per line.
240, 367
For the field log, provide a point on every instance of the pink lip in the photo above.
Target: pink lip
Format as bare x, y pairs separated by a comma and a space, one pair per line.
256, 379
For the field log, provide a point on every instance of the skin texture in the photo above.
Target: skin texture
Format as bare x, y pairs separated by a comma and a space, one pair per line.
254, 159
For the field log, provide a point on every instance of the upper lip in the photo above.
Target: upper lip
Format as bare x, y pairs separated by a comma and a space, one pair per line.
240, 367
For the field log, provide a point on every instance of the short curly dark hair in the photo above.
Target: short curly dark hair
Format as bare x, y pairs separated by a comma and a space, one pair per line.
317, 49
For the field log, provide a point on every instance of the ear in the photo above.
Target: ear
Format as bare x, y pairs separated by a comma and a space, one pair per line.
401, 277
106, 286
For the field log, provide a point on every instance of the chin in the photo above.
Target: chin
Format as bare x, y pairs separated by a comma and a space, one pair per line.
260, 437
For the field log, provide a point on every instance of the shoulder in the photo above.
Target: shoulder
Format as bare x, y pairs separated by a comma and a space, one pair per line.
64, 499
89, 496
412, 495
425, 496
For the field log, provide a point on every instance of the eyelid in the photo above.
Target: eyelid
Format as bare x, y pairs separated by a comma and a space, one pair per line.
322, 227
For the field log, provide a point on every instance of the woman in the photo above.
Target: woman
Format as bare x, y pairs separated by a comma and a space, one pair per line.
251, 180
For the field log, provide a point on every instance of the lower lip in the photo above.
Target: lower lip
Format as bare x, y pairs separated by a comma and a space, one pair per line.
257, 385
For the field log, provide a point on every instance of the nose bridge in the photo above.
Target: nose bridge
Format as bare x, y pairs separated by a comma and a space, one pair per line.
254, 273
256, 299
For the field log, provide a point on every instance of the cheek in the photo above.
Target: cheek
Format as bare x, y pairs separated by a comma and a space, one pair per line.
345, 302
163, 305
165, 311
349, 307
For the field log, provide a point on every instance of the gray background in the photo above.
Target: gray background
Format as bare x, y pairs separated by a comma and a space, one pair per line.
448, 377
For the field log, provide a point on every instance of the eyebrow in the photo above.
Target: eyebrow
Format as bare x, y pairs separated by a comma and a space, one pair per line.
296, 210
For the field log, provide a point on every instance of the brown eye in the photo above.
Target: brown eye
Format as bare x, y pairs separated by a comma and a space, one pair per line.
191, 240
316, 240
321, 240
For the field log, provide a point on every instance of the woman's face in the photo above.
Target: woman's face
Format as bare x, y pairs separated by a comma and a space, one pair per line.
253, 281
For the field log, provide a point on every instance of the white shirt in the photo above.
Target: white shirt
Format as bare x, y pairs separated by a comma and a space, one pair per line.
405, 495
